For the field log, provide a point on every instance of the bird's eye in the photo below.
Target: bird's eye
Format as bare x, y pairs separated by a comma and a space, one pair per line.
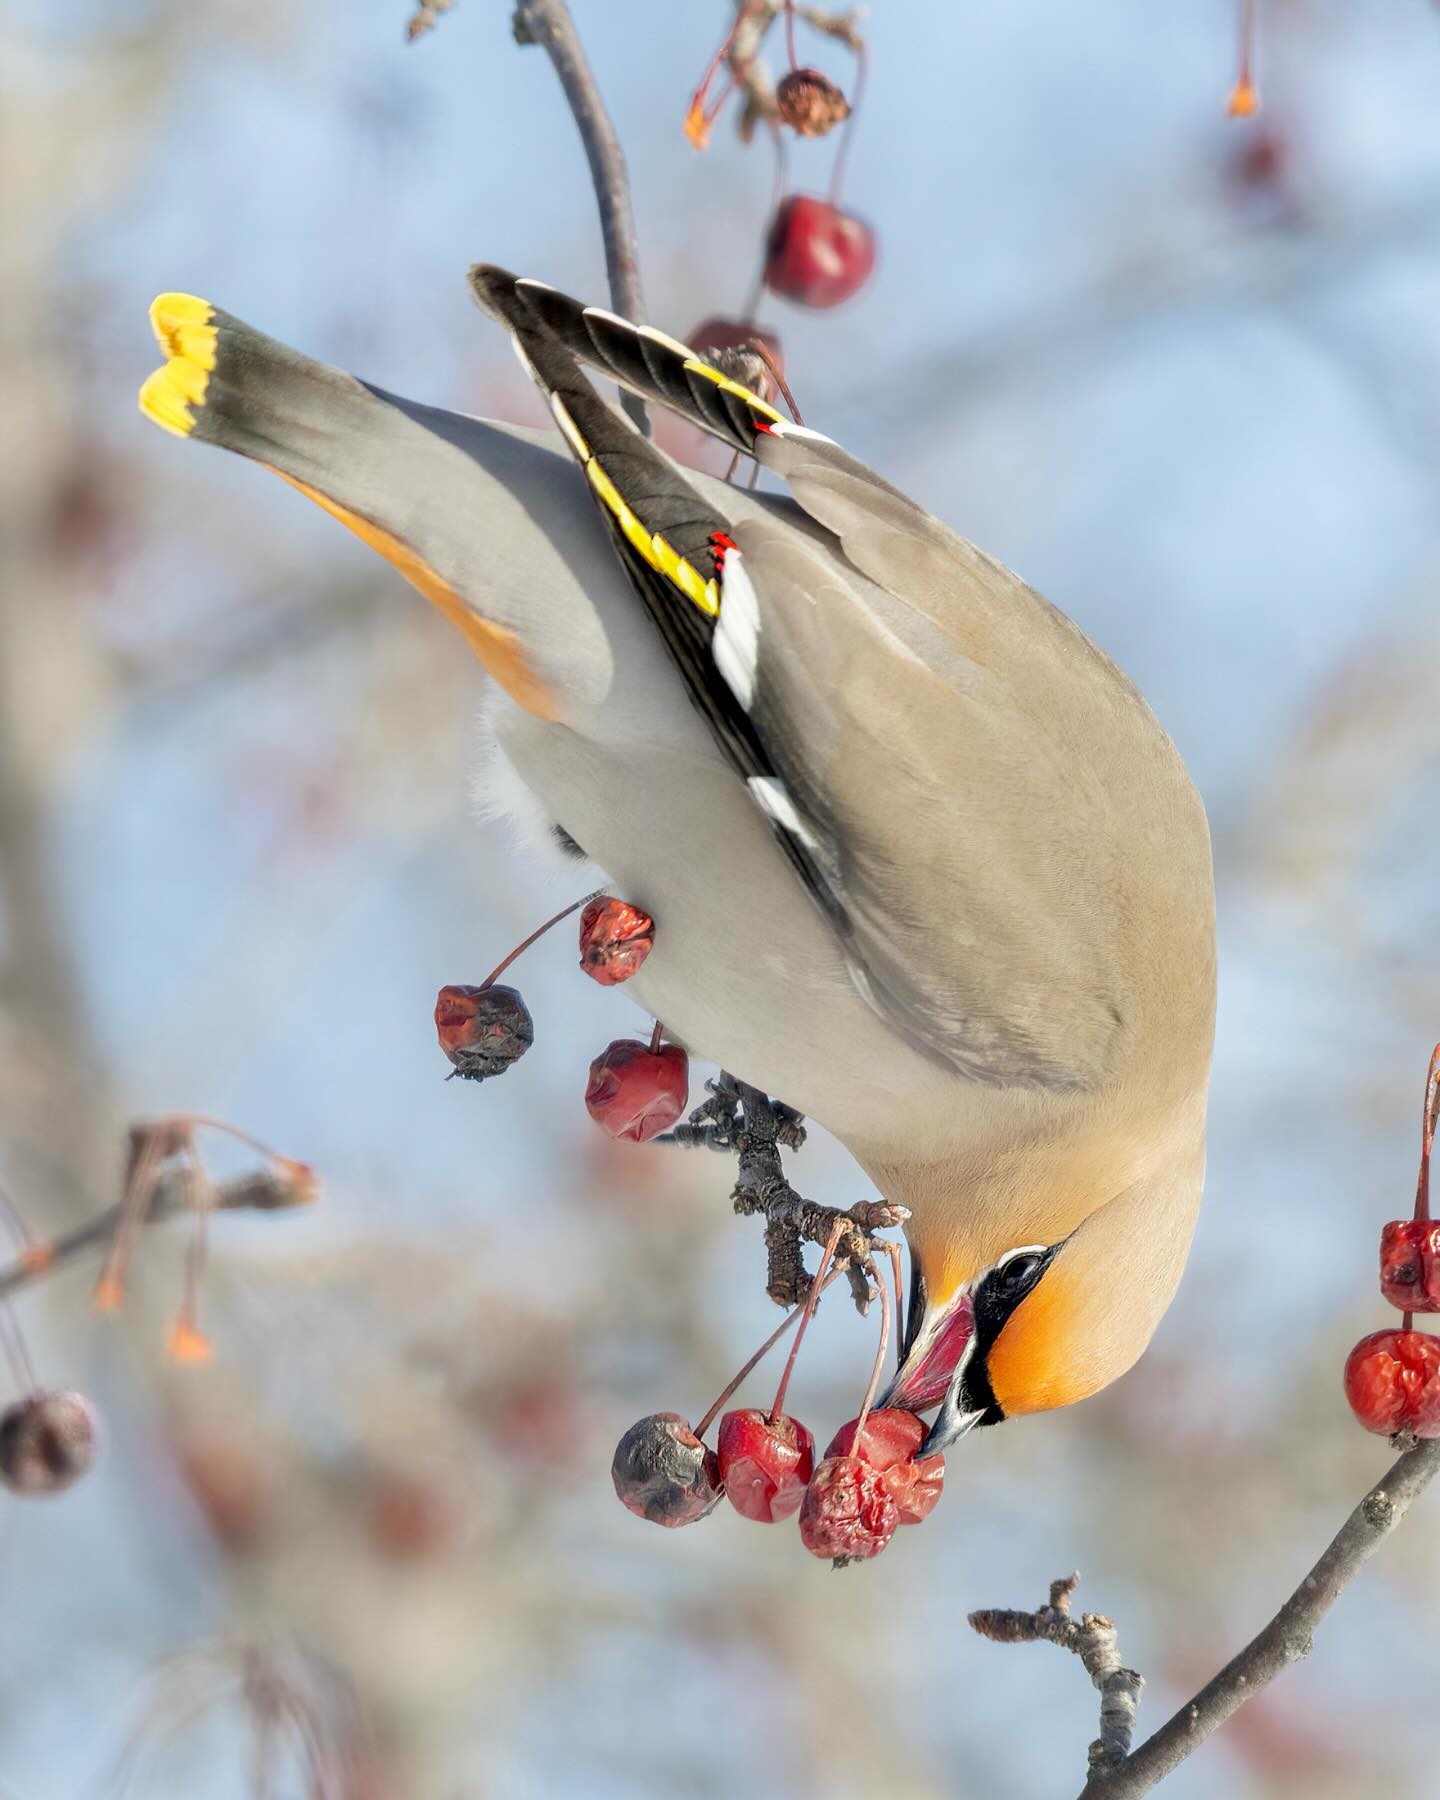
1017, 1275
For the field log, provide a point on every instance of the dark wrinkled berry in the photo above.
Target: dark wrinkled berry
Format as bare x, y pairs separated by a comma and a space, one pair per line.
47, 1442
663, 1473
482, 1029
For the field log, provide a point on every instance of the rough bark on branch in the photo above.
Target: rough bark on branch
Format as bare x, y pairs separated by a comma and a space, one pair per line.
549, 24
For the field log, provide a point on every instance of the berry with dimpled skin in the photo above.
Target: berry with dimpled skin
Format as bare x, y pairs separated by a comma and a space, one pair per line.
637, 1090
1410, 1264
888, 1444
816, 253
482, 1029
765, 1462
848, 1512
615, 939
47, 1442
1392, 1381
662, 1472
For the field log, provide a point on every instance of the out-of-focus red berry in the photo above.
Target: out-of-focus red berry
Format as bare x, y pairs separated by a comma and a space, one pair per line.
848, 1511
47, 1442
407, 1518
888, 1445
663, 1473
810, 103
1392, 1381
635, 1092
765, 1463
615, 938
816, 253
482, 1029
1410, 1264
230, 1487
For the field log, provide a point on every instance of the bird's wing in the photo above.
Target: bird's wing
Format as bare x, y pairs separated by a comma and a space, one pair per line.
1003, 838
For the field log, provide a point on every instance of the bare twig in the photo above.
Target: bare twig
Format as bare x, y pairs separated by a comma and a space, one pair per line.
1284, 1640
548, 23
790, 1219
264, 1191
424, 17
1091, 1638
1116, 1775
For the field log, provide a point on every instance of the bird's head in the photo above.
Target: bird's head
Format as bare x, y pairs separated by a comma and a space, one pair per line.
1038, 1278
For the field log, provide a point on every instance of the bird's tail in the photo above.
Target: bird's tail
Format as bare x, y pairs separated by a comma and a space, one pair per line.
465, 511
657, 367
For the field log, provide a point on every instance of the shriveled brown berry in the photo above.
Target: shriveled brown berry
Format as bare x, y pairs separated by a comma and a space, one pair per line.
848, 1511
615, 939
1410, 1264
663, 1473
810, 103
47, 1442
482, 1029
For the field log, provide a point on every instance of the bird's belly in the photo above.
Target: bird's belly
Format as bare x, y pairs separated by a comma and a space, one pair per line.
744, 971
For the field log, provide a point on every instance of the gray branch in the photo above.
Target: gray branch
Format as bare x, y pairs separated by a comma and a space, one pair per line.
548, 23
1119, 1773
173, 1194
1284, 1640
1092, 1638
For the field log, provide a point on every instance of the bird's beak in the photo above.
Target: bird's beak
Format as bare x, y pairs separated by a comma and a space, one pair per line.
951, 1422
938, 1348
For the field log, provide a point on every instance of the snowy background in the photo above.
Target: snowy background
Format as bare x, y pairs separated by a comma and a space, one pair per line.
1181, 372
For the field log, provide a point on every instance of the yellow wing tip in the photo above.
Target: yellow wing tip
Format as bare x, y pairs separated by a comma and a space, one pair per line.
184, 327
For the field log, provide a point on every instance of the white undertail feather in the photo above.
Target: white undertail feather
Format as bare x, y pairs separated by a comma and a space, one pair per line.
737, 630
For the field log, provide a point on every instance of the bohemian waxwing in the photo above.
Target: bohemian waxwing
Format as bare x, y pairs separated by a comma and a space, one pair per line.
922, 862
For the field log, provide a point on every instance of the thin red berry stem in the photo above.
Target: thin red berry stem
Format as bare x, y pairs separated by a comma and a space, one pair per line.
892, 1250
525, 944
837, 172
133, 1208
202, 1202
1244, 97
809, 1313
655, 1037
754, 1362
884, 1345
698, 100
1427, 1134
790, 34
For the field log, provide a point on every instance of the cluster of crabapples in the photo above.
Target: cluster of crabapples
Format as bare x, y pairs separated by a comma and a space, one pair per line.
872, 1479
636, 1088
869, 1482
1392, 1378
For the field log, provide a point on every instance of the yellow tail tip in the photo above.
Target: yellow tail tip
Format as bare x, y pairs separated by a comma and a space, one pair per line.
184, 329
